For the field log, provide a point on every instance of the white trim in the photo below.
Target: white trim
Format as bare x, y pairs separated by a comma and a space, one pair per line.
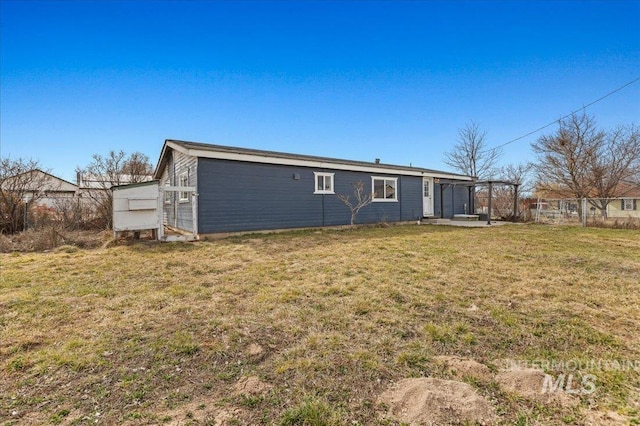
182, 199
191, 189
317, 164
624, 204
178, 148
384, 200
167, 194
427, 201
315, 183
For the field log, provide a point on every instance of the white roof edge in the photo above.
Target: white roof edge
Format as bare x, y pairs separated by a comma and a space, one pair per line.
178, 147
252, 158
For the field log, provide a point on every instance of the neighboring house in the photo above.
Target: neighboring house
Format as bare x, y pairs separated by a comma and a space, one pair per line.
32, 196
625, 204
628, 205
239, 189
48, 189
96, 189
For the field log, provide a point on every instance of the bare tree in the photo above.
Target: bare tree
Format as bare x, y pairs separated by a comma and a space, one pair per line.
565, 158
587, 162
503, 195
470, 154
105, 172
137, 167
616, 161
519, 174
71, 212
22, 183
361, 199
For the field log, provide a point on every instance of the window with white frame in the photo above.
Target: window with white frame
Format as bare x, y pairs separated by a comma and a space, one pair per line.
627, 204
167, 194
323, 182
183, 180
384, 188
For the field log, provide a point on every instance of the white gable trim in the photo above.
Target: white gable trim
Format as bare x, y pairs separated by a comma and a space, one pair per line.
253, 158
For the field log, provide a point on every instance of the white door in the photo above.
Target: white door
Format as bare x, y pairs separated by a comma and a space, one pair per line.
427, 197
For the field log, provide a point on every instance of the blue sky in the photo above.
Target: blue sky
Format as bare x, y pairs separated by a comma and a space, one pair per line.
355, 80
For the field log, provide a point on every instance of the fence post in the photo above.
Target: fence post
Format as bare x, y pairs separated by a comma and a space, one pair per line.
25, 221
584, 212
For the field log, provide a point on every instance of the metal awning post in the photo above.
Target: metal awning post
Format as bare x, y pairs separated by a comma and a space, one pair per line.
515, 202
453, 201
490, 184
489, 206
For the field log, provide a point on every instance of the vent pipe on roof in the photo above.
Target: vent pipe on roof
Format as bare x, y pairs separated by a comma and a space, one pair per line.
377, 161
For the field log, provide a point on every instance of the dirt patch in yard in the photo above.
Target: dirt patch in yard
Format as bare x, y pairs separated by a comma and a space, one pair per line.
251, 385
255, 350
435, 401
530, 383
464, 367
611, 418
200, 412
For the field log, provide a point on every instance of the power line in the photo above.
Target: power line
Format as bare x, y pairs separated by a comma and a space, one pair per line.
565, 116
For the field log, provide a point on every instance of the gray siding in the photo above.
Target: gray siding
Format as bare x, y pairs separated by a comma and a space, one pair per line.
179, 213
411, 191
454, 196
240, 196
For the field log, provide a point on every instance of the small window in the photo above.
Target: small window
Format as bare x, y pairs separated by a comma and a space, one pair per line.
324, 183
627, 204
184, 181
167, 194
384, 189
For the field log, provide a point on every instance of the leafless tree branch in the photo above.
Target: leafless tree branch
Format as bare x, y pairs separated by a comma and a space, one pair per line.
22, 182
361, 199
470, 154
588, 162
105, 172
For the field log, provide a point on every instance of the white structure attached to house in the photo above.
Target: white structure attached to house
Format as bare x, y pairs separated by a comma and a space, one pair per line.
136, 207
139, 206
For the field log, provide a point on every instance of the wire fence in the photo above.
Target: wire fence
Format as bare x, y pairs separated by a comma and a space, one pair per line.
601, 212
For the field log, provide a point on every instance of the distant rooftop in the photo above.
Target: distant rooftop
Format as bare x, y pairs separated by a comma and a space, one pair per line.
91, 181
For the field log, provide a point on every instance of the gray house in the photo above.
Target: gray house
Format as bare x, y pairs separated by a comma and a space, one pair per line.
228, 189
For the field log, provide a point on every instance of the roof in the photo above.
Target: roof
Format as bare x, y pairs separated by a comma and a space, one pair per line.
102, 182
629, 189
198, 149
49, 183
624, 189
134, 185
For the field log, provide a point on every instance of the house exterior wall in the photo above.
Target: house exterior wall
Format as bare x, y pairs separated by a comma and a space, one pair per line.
53, 199
176, 213
241, 196
614, 209
52, 191
454, 198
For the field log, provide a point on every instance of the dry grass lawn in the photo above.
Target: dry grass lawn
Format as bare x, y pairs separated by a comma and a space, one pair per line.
326, 320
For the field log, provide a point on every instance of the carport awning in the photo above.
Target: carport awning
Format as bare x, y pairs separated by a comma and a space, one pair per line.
490, 183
